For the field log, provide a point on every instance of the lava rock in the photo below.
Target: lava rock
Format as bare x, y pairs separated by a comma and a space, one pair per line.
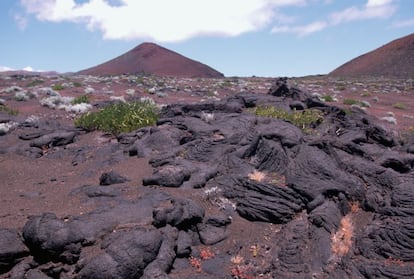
109, 178
182, 213
125, 255
51, 238
168, 176
54, 139
184, 243
12, 249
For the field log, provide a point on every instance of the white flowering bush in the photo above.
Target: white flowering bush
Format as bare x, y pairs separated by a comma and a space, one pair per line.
12, 89
6, 127
207, 117
77, 108
65, 103
89, 90
21, 96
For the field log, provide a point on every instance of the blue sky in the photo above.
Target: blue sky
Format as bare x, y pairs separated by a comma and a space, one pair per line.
236, 37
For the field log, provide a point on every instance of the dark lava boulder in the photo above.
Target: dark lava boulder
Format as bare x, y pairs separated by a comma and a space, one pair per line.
180, 213
54, 139
125, 254
109, 178
49, 237
12, 249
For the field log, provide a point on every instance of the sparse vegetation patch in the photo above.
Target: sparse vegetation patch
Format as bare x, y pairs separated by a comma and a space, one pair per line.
340, 87
8, 110
399, 106
120, 117
351, 102
328, 98
58, 87
34, 82
341, 241
257, 176
302, 119
81, 99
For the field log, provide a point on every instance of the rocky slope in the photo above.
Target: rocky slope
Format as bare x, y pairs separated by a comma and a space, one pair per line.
153, 59
395, 59
229, 195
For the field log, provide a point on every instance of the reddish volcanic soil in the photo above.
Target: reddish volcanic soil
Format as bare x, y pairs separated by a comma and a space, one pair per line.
31, 186
395, 59
48, 184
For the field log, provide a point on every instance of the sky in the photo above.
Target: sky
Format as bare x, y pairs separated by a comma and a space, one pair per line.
266, 38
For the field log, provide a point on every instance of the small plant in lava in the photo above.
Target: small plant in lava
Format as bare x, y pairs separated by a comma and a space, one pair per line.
8, 110
80, 100
257, 176
351, 102
328, 98
120, 117
58, 87
399, 106
35, 82
302, 119
341, 241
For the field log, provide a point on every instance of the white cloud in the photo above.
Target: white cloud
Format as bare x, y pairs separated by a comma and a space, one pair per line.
21, 21
372, 9
27, 68
373, 3
301, 30
177, 20
403, 23
31, 69
5, 68
161, 20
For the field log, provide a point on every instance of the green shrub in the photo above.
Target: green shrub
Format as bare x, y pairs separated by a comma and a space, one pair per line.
34, 83
139, 80
301, 119
58, 87
351, 102
81, 99
225, 83
399, 106
366, 94
8, 110
365, 104
340, 87
121, 117
77, 84
328, 98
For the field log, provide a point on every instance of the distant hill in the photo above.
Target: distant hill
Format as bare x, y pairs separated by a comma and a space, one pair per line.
153, 59
395, 59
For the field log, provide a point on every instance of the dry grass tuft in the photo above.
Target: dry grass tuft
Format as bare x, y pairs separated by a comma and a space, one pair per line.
195, 262
257, 176
237, 260
206, 253
355, 207
342, 239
